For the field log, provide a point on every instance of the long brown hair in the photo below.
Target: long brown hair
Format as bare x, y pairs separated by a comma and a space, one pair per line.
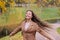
37, 20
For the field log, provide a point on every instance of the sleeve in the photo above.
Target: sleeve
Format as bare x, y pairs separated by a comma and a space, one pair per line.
44, 33
16, 30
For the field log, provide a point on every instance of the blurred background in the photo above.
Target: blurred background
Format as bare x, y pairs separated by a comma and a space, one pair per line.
12, 12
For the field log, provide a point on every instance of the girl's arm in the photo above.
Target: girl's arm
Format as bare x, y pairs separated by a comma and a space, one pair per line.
17, 29
44, 33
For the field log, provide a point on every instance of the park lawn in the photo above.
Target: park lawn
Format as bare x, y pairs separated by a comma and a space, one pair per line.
17, 36
58, 30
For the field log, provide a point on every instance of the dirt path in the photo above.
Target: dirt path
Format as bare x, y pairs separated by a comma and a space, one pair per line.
52, 32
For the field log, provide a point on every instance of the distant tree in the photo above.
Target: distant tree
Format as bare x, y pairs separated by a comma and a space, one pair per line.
2, 5
57, 3
0, 10
39, 3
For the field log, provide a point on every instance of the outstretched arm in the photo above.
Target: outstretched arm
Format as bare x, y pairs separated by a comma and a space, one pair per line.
14, 31
44, 33
17, 29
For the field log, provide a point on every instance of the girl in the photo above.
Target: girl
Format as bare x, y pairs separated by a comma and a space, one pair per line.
30, 25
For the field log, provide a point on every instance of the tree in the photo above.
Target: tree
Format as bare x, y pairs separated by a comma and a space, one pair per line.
2, 6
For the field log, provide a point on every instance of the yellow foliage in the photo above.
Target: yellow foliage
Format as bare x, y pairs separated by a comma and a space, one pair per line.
2, 5
31, 1
11, 3
58, 1
45, 0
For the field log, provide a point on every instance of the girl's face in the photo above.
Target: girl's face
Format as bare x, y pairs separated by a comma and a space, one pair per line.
28, 15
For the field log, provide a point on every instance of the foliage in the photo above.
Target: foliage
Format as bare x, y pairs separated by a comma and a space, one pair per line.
2, 5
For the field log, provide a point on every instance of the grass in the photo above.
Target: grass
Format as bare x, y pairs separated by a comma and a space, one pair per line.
17, 36
58, 30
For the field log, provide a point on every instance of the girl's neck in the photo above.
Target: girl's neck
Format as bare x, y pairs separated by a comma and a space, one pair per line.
28, 20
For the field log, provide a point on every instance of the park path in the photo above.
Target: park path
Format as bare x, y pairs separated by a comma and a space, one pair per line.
52, 32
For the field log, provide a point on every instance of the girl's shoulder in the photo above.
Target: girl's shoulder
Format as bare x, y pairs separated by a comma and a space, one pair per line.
34, 23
